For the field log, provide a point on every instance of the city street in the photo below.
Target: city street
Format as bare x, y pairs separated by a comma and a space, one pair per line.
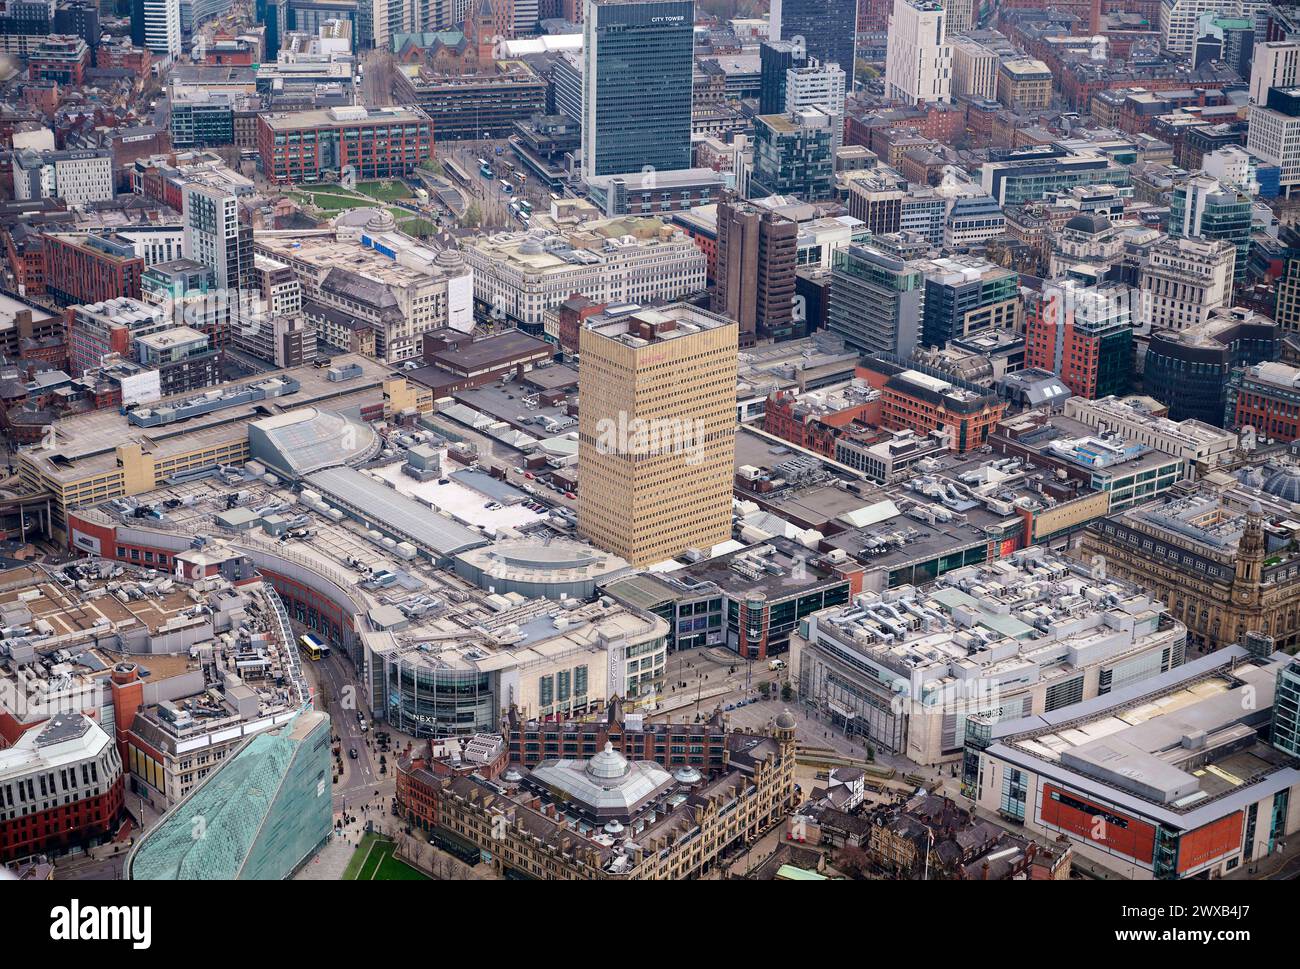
361, 778
493, 201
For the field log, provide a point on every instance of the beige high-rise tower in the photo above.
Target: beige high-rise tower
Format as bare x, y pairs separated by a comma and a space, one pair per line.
657, 425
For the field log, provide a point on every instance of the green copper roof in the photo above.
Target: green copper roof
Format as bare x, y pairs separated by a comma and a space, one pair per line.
212, 832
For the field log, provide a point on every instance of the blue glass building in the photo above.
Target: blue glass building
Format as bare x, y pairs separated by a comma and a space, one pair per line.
828, 29
638, 69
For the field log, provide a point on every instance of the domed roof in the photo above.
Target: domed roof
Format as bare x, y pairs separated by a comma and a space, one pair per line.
1251, 477
381, 220
449, 259
1091, 223
785, 720
608, 765
1283, 482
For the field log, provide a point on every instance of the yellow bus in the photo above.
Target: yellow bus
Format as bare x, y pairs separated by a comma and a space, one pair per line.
312, 647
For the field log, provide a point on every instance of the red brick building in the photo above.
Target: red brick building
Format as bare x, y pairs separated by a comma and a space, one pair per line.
90, 268
1092, 358
1267, 398
61, 785
227, 51
927, 400
817, 420
943, 123
61, 59
529, 742
25, 250
569, 317
135, 59
375, 142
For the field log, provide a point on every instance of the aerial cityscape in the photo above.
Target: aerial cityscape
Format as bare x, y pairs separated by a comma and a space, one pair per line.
649, 440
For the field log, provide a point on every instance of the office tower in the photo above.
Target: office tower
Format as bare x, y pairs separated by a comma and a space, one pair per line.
1285, 730
1205, 208
825, 28
918, 59
966, 296
1179, 22
79, 19
275, 15
1273, 134
1194, 372
960, 16
877, 200
972, 220
637, 77
876, 301
975, 68
363, 37
656, 430
1024, 84
774, 59
817, 85
755, 271
1084, 335
1286, 307
156, 26
1233, 166
215, 238
794, 154
1183, 281
1275, 64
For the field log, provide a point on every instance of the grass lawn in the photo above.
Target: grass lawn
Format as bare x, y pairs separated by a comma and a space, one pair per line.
373, 861
334, 200
330, 199
420, 228
359, 856
393, 870
386, 190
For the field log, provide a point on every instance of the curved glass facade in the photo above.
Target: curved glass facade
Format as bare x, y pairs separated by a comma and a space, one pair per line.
427, 702
1192, 381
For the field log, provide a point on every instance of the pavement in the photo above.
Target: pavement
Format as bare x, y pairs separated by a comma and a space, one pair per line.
332, 860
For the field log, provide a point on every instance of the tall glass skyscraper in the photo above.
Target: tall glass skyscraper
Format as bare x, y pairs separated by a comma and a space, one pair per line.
638, 64
828, 29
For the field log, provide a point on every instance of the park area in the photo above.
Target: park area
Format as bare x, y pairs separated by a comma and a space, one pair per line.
329, 199
373, 861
